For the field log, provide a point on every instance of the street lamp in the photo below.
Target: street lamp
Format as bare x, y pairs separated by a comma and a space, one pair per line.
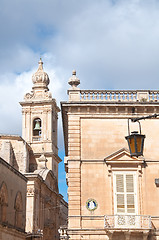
135, 139
135, 142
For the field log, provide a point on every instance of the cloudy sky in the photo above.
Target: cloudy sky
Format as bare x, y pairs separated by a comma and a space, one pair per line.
112, 44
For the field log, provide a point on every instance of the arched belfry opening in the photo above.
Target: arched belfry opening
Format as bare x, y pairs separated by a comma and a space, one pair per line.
37, 128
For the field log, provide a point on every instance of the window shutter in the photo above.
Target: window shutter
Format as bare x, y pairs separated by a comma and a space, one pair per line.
130, 203
119, 183
120, 193
120, 203
129, 183
130, 195
125, 193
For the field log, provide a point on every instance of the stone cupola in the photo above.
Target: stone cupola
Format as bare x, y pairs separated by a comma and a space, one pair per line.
40, 78
40, 88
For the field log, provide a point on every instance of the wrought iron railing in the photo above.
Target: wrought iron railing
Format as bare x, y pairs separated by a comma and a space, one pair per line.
120, 95
127, 221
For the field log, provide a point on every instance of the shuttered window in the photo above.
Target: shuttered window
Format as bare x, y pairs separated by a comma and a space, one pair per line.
125, 193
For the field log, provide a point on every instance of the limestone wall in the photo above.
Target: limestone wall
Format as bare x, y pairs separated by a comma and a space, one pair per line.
94, 139
13, 200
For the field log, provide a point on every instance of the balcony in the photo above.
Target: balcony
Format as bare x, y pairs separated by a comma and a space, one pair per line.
127, 222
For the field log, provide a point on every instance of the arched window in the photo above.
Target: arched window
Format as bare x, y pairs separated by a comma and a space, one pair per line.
18, 206
37, 129
3, 202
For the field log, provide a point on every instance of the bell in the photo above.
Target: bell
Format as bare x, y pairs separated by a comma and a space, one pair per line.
37, 126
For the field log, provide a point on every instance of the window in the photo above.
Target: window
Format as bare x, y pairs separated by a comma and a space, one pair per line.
125, 199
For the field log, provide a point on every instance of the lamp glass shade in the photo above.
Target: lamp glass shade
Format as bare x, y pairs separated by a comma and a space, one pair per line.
131, 143
136, 143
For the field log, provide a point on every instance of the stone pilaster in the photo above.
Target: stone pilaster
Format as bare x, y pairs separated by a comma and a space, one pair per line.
74, 194
74, 138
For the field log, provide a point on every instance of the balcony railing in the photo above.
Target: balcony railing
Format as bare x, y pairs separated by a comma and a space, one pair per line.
120, 95
127, 221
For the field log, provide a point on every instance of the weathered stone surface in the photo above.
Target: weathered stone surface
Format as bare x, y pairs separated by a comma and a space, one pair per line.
95, 126
36, 156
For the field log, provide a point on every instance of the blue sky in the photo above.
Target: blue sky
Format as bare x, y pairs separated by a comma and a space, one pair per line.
111, 44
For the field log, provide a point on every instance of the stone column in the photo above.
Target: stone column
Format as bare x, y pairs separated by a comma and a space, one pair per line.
44, 125
29, 208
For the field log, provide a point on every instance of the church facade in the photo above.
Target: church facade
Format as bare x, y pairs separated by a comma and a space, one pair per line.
111, 194
35, 155
13, 187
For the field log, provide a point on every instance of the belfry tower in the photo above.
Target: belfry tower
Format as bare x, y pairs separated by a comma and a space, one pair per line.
39, 124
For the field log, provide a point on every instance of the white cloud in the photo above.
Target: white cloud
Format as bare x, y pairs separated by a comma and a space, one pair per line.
13, 89
11, 93
113, 44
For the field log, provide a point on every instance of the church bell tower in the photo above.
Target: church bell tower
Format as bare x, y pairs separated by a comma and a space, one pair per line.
39, 123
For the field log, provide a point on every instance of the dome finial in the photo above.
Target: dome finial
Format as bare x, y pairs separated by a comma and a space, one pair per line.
74, 80
74, 72
40, 65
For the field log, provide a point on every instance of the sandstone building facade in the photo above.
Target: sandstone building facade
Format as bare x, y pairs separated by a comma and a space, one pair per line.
35, 155
12, 202
111, 195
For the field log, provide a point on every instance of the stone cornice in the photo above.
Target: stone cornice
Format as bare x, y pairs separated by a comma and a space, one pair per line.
11, 137
62, 200
107, 103
103, 161
41, 102
37, 177
107, 110
131, 106
6, 227
14, 137
48, 154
